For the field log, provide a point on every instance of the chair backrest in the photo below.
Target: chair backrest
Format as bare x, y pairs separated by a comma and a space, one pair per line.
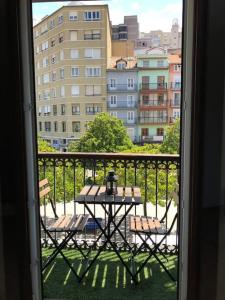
44, 190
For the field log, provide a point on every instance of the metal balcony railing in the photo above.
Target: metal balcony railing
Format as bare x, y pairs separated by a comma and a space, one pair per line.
122, 87
175, 102
153, 86
121, 104
154, 103
94, 36
175, 85
153, 120
67, 173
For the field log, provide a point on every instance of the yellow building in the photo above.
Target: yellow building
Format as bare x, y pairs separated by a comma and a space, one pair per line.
71, 50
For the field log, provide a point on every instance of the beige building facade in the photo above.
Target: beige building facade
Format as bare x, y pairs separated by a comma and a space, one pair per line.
71, 50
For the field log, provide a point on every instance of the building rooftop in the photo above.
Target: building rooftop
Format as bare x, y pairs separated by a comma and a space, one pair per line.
131, 62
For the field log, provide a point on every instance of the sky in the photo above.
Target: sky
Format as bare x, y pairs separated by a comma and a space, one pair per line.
152, 14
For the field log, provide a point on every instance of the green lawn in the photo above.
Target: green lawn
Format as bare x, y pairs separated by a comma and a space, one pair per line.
108, 279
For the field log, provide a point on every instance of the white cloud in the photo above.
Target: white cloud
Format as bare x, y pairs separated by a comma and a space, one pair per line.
135, 5
160, 18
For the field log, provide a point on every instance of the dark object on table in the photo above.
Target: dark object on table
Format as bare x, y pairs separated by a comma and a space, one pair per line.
92, 224
111, 183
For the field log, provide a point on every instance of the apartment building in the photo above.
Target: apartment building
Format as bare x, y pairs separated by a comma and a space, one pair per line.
153, 81
129, 30
175, 85
123, 92
71, 48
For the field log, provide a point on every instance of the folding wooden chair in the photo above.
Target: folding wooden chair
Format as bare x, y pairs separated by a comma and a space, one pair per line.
146, 228
70, 225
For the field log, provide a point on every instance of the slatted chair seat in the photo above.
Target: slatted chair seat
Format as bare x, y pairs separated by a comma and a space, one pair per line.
146, 225
68, 224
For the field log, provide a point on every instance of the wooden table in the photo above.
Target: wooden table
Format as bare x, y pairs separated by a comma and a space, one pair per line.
95, 194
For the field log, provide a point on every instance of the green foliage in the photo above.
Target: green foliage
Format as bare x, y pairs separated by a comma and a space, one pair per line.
171, 143
43, 146
105, 134
148, 148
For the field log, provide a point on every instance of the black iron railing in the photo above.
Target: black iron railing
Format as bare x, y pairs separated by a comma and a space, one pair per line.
156, 175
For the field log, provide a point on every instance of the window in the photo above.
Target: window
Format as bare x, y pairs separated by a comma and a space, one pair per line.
44, 28
54, 109
63, 109
39, 111
61, 54
44, 46
160, 63
40, 126
177, 68
36, 33
73, 16
160, 131
92, 35
61, 73
75, 90
47, 110
92, 53
53, 60
91, 15
130, 100
46, 94
93, 71
63, 126
121, 65
47, 126
73, 35
54, 93
45, 78
130, 83
76, 126
61, 37
75, 109
74, 71
45, 62
60, 19
130, 117
37, 49
176, 113
53, 75
39, 96
62, 91
74, 53
112, 84
93, 109
55, 126
92, 90
51, 23
176, 99
52, 42
113, 114
145, 64
113, 100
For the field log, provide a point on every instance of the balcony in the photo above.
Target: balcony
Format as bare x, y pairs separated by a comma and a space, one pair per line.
145, 87
121, 88
175, 102
121, 104
153, 120
153, 103
94, 36
157, 176
175, 86
152, 138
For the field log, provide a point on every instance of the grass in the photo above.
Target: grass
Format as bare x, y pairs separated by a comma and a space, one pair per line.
108, 279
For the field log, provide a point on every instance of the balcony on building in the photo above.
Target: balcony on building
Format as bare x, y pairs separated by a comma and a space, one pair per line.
146, 104
152, 139
122, 88
175, 85
122, 104
154, 120
153, 87
175, 102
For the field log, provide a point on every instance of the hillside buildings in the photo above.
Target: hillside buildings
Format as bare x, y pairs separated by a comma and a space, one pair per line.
81, 69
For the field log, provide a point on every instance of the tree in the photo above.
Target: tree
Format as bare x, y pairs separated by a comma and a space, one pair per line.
105, 134
171, 143
43, 146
